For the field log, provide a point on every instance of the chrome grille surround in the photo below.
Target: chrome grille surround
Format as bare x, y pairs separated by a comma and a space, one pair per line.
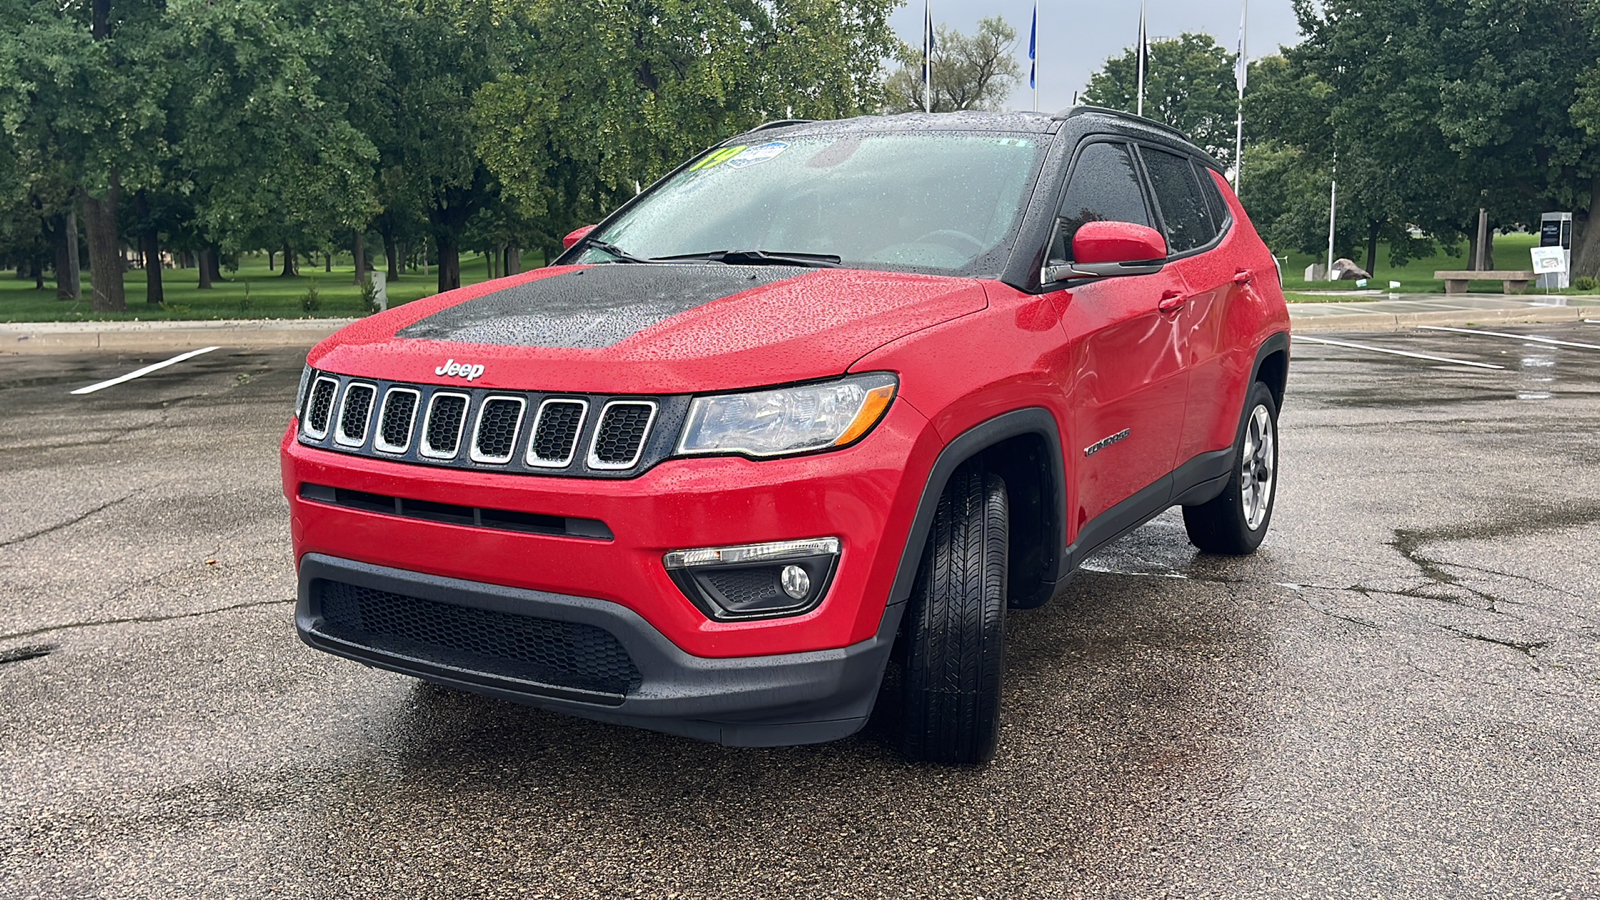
536, 433
319, 407
601, 454
445, 419
492, 410
393, 412
355, 413
553, 421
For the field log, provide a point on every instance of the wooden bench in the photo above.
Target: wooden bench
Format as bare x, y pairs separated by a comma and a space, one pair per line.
1512, 281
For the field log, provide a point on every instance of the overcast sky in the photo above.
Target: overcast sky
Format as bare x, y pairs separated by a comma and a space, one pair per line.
1076, 38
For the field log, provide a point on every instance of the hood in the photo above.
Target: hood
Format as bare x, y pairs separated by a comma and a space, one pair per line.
649, 328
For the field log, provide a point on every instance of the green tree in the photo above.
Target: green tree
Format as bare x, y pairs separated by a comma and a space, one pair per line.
1485, 99
1188, 84
977, 71
597, 97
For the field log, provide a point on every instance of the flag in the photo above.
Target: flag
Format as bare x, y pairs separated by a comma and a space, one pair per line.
927, 57
1144, 57
1033, 48
1241, 65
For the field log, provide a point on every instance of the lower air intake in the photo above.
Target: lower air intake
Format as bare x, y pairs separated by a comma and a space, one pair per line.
545, 651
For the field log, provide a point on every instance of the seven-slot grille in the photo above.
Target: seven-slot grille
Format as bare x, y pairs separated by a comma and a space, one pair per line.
527, 432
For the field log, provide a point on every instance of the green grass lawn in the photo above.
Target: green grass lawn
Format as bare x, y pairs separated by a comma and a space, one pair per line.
1415, 277
269, 296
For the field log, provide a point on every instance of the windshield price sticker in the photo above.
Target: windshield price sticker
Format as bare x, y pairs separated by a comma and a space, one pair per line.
759, 154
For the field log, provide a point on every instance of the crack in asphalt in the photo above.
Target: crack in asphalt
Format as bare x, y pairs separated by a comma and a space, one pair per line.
142, 620
1526, 648
66, 524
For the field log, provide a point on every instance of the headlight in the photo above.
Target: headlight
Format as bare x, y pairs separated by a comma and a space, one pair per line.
787, 420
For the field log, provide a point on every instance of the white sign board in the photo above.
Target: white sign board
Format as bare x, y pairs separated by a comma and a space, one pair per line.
1549, 259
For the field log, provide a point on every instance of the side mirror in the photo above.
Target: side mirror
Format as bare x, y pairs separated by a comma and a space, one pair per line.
575, 236
1109, 249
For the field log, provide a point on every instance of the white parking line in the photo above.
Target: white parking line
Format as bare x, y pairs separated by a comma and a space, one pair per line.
1443, 359
144, 371
1519, 337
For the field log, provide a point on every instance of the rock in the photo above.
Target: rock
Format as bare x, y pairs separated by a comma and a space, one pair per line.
1345, 270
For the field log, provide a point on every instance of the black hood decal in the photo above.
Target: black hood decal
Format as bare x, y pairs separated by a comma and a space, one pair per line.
591, 308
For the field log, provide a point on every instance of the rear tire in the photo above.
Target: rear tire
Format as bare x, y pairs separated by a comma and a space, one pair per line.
956, 633
1235, 522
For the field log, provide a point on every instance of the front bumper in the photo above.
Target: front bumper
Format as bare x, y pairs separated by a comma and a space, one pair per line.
865, 495
585, 656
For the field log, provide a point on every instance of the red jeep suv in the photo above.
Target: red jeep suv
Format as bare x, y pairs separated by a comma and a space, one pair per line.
831, 394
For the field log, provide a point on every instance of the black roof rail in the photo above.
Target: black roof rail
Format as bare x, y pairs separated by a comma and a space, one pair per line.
778, 123
1083, 109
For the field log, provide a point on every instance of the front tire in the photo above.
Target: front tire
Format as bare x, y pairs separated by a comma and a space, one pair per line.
1235, 522
956, 633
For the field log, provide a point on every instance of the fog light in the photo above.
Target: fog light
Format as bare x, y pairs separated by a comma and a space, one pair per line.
755, 581
796, 583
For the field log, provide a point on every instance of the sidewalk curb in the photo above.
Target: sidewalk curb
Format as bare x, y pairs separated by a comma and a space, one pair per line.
38, 338
1402, 321
33, 338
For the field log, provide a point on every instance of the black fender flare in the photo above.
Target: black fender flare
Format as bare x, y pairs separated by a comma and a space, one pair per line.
1028, 420
1277, 342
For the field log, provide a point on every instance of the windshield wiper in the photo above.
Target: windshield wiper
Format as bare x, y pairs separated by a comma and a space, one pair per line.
762, 258
606, 247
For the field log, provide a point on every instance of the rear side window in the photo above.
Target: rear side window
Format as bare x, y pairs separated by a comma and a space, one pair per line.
1214, 201
1183, 206
1104, 188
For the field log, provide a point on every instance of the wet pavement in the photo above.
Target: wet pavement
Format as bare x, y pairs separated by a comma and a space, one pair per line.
1399, 695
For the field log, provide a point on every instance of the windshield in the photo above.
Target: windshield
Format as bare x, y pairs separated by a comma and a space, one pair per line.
936, 202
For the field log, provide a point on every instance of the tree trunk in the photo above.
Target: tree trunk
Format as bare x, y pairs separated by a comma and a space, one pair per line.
105, 258
68, 283
150, 248
289, 262
449, 264
1372, 247
214, 258
203, 263
151, 242
513, 260
391, 250
360, 253
36, 272
1586, 238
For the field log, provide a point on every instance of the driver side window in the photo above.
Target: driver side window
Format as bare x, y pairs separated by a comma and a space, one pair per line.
1104, 188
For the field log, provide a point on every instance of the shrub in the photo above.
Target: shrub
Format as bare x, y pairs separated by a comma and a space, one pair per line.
1585, 283
369, 295
311, 301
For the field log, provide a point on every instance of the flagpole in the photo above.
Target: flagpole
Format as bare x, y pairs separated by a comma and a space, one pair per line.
1143, 52
927, 56
1241, 74
1333, 207
1033, 56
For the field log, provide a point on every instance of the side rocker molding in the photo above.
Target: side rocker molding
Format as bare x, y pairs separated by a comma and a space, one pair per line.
1031, 420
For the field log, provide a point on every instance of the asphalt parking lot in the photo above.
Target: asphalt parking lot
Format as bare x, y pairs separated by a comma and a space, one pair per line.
1399, 695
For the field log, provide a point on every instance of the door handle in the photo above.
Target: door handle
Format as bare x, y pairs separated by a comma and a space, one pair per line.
1243, 276
1171, 301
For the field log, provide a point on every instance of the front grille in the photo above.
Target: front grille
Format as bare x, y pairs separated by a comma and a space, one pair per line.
620, 437
525, 432
555, 433
566, 655
443, 428
395, 422
355, 414
320, 410
496, 434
